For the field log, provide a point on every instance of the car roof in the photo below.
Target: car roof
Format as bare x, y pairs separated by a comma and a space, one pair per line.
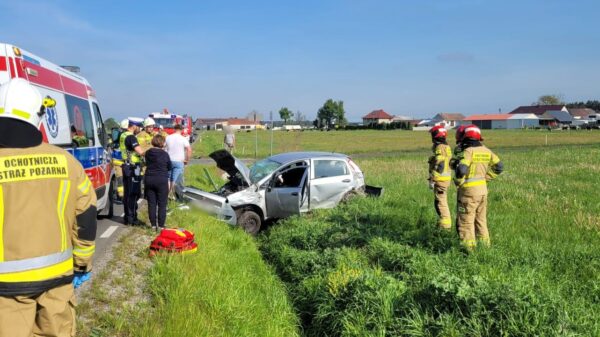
287, 157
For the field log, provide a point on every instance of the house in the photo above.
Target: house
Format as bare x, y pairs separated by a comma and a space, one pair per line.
503, 121
559, 118
538, 110
450, 120
582, 113
210, 123
377, 117
243, 124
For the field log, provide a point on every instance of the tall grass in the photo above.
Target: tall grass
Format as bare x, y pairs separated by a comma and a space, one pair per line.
381, 267
225, 289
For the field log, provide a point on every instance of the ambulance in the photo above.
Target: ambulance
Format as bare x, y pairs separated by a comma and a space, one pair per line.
75, 123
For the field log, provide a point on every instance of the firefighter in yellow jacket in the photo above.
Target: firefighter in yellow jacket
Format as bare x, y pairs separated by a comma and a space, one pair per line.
477, 166
439, 175
47, 221
145, 136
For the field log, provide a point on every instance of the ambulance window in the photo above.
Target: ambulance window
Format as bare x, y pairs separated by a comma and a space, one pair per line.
100, 125
81, 123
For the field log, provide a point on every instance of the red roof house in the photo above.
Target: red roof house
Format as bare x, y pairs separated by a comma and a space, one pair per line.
377, 117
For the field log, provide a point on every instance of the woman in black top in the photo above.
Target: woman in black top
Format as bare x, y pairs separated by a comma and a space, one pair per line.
158, 165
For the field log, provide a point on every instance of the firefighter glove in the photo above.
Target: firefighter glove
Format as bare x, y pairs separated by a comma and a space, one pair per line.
79, 278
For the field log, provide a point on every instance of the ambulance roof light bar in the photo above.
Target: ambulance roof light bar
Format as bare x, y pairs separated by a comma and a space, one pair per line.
73, 69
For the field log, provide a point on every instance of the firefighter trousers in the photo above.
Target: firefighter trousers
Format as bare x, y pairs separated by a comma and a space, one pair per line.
472, 220
440, 192
50, 314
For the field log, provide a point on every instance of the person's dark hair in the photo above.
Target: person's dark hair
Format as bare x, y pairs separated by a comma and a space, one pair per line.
158, 141
178, 127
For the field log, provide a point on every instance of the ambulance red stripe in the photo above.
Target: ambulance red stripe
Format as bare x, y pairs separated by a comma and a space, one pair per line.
12, 67
3, 63
53, 80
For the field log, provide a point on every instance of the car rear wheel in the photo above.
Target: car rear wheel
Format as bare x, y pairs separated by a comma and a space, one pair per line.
249, 221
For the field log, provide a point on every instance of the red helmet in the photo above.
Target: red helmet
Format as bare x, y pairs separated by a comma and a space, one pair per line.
438, 131
472, 132
460, 133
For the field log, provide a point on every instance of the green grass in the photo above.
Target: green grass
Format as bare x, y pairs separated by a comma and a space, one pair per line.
374, 142
225, 289
380, 267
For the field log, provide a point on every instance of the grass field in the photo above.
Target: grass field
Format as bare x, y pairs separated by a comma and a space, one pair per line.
372, 142
380, 267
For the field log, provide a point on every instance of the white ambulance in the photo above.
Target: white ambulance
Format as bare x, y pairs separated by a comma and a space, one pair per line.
75, 123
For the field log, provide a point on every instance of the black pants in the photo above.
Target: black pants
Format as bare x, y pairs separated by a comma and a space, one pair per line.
157, 194
132, 191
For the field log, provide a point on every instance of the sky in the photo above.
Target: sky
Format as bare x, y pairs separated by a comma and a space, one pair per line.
226, 58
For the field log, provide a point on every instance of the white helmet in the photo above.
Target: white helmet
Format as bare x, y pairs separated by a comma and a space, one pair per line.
124, 123
20, 100
149, 122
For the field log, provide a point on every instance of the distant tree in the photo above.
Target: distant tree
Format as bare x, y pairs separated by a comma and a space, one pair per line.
285, 114
594, 105
299, 117
110, 124
332, 113
550, 100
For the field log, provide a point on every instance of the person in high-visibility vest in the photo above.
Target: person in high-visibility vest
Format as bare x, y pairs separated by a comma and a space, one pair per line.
132, 152
439, 175
477, 166
117, 160
47, 221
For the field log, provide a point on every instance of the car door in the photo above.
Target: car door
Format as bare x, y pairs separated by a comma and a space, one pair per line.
331, 179
286, 190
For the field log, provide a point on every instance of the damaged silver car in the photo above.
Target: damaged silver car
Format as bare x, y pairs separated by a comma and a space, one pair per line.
278, 187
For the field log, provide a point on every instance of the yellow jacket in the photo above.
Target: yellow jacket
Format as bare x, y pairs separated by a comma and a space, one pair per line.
477, 165
47, 219
439, 163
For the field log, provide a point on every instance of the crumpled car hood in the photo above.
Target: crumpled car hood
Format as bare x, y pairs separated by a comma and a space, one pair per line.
230, 164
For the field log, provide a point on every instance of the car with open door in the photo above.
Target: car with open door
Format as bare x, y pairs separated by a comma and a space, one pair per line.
278, 187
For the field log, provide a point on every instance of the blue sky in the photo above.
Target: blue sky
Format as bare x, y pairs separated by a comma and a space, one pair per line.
226, 58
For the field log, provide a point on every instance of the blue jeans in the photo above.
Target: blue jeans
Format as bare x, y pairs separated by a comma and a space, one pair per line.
176, 171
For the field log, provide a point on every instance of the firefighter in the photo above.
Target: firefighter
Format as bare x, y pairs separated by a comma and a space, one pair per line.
47, 219
117, 160
477, 165
439, 175
132, 172
145, 136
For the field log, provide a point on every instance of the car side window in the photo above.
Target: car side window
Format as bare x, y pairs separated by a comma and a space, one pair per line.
291, 177
100, 125
82, 125
325, 168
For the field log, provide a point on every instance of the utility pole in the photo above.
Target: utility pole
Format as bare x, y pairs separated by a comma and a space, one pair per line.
256, 136
271, 117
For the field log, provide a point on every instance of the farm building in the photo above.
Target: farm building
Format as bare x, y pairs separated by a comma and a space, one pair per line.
210, 123
558, 118
377, 117
538, 110
243, 124
503, 121
448, 119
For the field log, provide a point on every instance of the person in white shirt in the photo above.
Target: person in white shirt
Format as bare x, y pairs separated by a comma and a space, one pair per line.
180, 152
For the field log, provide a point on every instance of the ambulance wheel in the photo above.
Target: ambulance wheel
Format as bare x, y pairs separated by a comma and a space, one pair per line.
249, 221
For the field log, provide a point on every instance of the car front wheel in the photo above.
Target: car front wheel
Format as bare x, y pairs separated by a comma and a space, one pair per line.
249, 221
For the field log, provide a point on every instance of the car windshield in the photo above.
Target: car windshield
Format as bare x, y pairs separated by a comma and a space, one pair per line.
164, 122
261, 169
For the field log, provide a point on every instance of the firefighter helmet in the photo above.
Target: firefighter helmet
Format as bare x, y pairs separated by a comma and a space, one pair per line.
124, 123
20, 100
438, 132
149, 121
472, 132
460, 133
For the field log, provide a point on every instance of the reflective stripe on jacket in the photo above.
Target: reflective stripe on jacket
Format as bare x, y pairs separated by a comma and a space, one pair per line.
479, 162
439, 168
47, 219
